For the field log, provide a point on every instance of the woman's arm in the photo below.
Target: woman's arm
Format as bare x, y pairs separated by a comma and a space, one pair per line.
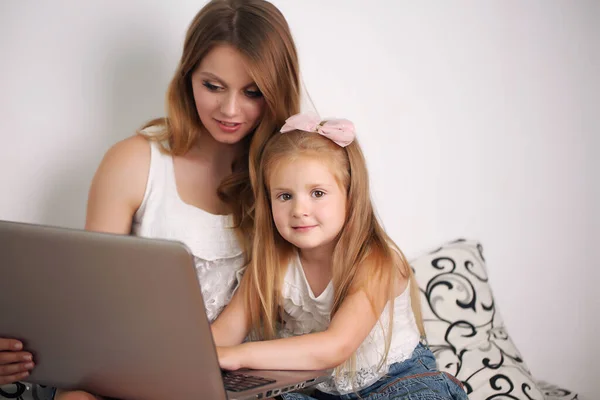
116, 193
232, 325
118, 186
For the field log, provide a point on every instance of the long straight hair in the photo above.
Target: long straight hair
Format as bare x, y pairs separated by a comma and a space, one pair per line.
362, 243
258, 30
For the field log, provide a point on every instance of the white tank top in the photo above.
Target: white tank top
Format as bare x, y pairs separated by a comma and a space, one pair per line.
163, 215
305, 313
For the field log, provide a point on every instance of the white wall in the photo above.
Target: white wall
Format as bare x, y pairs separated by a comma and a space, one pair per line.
476, 117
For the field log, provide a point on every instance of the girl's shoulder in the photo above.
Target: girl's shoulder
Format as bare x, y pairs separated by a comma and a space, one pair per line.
375, 274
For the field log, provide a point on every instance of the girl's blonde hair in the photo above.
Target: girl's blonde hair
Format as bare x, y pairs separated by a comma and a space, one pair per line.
258, 30
362, 243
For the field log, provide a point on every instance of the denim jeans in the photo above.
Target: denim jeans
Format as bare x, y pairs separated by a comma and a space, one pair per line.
416, 379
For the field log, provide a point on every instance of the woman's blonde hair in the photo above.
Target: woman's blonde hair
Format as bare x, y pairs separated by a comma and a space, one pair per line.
258, 30
362, 243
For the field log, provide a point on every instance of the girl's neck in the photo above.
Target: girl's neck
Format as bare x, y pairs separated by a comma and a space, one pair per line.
317, 267
318, 258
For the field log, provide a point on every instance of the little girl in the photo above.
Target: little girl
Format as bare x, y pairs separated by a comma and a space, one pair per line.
327, 287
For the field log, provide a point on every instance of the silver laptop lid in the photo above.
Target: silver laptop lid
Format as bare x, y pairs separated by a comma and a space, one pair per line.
113, 314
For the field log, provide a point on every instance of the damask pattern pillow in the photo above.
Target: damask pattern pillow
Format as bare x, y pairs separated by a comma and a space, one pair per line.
465, 330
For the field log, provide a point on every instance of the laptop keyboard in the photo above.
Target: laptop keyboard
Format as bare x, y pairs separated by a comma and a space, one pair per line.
237, 381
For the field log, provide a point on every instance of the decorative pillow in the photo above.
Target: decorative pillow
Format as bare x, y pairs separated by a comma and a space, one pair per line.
464, 328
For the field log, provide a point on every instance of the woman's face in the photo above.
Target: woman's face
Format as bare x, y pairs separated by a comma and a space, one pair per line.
228, 101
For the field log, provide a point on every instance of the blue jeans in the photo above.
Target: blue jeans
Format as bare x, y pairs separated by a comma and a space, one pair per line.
416, 379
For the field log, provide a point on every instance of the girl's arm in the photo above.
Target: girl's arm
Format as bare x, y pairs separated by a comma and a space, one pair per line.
232, 325
350, 326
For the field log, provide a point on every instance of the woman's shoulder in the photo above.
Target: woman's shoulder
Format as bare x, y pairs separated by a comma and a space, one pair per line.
124, 169
129, 156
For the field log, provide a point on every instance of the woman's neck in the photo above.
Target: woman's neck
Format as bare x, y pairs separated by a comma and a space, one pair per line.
219, 156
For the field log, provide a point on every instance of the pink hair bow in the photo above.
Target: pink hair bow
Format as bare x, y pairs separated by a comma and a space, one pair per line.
340, 131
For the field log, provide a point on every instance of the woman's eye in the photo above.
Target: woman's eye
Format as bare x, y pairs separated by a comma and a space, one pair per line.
211, 87
318, 193
254, 93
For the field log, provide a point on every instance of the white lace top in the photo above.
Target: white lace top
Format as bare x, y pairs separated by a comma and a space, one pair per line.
305, 313
163, 214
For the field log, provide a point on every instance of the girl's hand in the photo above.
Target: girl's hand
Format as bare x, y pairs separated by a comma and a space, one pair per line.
14, 363
229, 358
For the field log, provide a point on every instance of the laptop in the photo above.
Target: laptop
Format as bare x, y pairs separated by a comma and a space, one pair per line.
119, 316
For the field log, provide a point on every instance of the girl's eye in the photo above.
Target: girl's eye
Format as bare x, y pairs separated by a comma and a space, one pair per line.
254, 93
210, 86
318, 193
285, 196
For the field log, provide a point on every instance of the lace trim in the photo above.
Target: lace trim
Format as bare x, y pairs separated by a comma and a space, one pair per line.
218, 280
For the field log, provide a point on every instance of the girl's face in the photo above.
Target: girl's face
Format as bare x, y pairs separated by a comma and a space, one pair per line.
309, 206
228, 101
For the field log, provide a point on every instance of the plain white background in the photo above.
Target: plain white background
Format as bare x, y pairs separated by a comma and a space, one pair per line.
478, 120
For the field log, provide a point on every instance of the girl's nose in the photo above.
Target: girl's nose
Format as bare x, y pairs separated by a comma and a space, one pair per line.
300, 209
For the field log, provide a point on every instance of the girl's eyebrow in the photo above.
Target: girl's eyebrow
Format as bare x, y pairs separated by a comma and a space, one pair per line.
307, 186
317, 185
